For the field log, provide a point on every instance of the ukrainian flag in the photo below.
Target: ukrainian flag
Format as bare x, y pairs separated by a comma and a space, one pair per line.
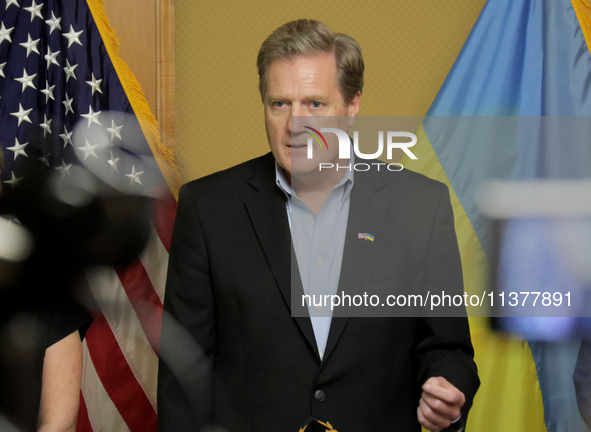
522, 58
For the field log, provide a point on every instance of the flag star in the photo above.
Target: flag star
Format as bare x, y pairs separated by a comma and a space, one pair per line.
88, 150
48, 91
92, 116
22, 114
67, 137
46, 125
53, 23
95, 84
69, 70
115, 130
45, 159
5, 33
64, 169
26, 80
68, 104
14, 180
30, 45
51, 57
2, 69
113, 162
18, 149
134, 176
35, 10
73, 36
11, 2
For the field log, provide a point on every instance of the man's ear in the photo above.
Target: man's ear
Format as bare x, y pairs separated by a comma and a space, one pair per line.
353, 108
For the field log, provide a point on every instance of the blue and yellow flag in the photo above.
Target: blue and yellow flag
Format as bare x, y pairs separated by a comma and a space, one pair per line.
522, 58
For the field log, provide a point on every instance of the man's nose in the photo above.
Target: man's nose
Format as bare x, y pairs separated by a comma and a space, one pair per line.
294, 125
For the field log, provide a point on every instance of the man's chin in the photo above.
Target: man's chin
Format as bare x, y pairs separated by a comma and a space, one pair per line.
302, 168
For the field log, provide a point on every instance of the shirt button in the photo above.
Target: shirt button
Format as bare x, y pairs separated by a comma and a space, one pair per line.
319, 308
319, 261
319, 395
310, 217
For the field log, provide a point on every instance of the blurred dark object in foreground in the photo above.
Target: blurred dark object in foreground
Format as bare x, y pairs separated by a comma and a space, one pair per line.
74, 222
53, 228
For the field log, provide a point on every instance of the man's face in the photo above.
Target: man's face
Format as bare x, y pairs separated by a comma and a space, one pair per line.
302, 86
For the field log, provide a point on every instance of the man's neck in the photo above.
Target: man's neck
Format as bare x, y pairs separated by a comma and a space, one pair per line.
313, 188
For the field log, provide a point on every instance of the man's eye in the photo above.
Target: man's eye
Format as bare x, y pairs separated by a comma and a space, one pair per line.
278, 104
316, 104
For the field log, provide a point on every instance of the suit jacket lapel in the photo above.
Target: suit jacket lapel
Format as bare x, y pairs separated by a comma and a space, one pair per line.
266, 208
366, 215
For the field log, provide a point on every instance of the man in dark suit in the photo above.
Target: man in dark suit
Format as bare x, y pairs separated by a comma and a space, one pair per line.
234, 352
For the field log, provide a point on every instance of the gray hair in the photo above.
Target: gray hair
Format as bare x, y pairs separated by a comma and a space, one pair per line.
307, 37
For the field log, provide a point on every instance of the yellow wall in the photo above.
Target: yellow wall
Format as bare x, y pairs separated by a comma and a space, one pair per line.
408, 45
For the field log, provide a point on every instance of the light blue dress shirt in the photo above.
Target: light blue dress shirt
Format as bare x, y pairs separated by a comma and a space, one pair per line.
319, 241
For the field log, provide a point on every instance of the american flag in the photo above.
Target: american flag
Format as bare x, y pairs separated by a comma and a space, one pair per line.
66, 99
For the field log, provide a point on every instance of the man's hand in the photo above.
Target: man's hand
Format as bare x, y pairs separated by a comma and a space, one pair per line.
440, 404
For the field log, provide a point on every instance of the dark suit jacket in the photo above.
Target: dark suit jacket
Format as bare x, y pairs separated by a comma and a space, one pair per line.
253, 367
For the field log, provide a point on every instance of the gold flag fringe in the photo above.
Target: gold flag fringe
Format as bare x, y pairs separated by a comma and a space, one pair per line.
583, 10
327, 425
164, 157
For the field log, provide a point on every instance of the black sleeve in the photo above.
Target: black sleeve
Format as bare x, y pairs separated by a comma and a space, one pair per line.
64, 318
444, 347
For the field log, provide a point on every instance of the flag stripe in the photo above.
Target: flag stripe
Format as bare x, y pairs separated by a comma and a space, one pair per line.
144, 300
155, 262
102, 414
164, 219
83, 422
125, 326
118, 379
151, 278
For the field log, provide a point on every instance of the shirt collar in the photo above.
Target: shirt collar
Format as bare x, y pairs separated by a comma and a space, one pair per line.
281, 181
284, 185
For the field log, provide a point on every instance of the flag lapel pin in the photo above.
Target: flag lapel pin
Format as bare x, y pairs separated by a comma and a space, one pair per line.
365, 236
